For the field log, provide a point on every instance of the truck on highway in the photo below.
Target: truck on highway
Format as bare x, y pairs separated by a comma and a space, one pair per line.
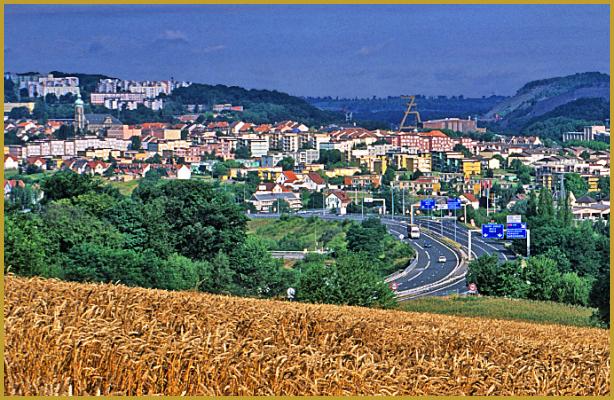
413, 231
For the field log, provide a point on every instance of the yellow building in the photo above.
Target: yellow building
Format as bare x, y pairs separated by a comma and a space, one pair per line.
471, 167
344, 171
269, 174
141, 156
593, 183
413, 162
9, 106
98, 153
172, 134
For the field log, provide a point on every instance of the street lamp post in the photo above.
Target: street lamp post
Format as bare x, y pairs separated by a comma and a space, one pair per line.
392, 191
403, 194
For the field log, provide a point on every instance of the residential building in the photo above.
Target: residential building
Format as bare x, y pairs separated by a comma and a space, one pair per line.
338, 201
455, 124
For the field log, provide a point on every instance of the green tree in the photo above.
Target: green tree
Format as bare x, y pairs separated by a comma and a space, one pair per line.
242, 152
576, 184
352, 280
202, 219
573, 289
68, 184
600, 297
366, 237
389, 175
286, 163
542, 278
545, 204
532, 205
604, 186
256, 273
26, 247
135, 143
466, 152
19, 113
493, 279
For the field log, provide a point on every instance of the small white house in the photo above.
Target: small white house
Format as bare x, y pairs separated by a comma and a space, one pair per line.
10, 162
184, 172
337, 200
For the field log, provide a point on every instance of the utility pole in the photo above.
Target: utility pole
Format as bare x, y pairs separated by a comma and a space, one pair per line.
362, 208
403, 192
392, 191
441, 222
487, 200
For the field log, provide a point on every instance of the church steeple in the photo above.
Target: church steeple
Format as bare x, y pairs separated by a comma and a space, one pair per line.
79, 114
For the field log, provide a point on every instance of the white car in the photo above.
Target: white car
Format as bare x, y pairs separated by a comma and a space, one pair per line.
442, 259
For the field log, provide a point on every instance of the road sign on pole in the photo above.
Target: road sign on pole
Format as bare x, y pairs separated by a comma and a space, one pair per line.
368, 199
454, 204
516, 230
514, 219
427, 204
492, 231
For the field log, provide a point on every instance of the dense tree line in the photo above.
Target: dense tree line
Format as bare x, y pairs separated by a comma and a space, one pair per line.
180, 235
169, 234
260, 106
570, 260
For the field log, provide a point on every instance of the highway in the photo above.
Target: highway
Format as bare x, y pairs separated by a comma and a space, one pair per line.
425, 276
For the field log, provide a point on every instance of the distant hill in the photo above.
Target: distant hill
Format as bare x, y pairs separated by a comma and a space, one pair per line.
260, 106
579, 96
388, 111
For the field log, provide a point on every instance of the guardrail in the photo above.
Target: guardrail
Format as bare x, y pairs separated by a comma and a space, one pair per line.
458, 273
401, 274
295, 254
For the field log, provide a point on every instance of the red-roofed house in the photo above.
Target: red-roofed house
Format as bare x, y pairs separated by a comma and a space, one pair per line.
469, 198
313, 181
10, 162
338, 200
96, 167
36, 161
286, 177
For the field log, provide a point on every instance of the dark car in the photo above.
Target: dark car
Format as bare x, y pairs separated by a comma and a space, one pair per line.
427, 245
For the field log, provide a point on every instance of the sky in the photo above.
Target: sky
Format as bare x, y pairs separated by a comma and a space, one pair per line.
309, 50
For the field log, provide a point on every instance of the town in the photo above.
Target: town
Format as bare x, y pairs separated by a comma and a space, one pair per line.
293, 166
307, 199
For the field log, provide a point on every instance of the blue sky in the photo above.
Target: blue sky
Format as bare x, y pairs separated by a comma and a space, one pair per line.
340, 50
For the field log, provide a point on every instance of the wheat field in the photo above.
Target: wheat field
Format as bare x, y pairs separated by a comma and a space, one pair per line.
68, 338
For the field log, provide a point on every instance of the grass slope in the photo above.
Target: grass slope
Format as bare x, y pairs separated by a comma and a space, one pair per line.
499, 308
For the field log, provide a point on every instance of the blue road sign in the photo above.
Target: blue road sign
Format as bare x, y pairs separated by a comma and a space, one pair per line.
492, 231
516, 234
516, 231
454, 204
427, 204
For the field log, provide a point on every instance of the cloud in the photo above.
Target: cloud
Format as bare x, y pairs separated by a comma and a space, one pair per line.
213, 49
368, 50
172, 37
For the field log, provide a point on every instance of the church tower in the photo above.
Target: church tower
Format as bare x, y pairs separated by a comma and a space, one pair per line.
79, 114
